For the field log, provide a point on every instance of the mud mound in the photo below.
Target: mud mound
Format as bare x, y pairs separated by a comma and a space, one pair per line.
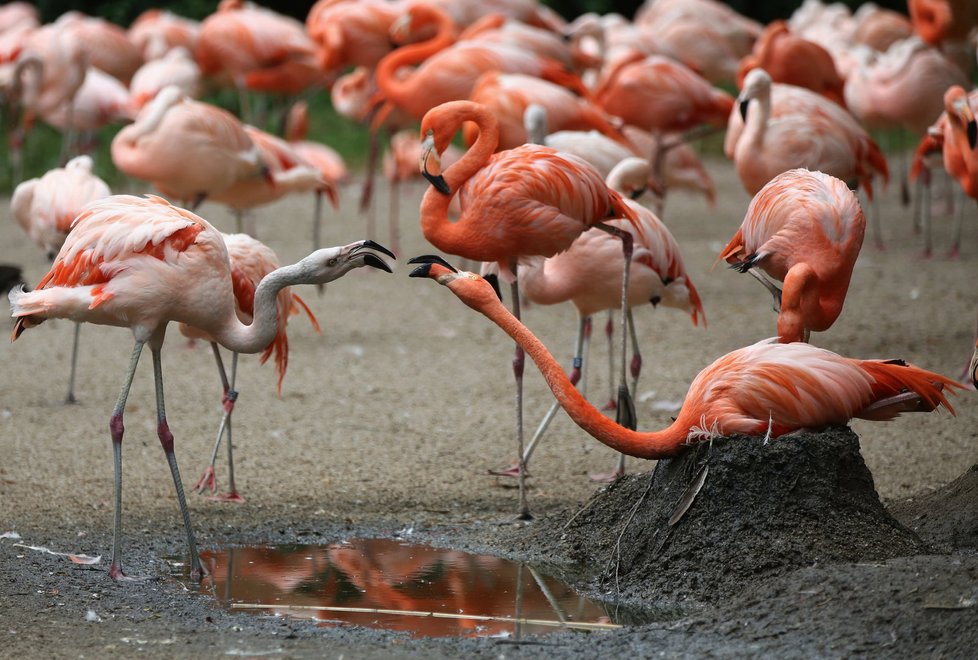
761, 510
948, 515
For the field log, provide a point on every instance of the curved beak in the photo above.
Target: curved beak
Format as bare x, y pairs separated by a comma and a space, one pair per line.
973, 369
972, 133
371, 259
426, 261
428, 153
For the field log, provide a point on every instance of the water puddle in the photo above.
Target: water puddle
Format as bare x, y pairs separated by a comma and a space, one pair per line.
390, 584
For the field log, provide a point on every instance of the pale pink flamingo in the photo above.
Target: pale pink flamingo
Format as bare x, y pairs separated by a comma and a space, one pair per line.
156, 32
822, 136
177, 67
287, 173
589, 273
555, 198
45, 208
880, 28
15, 15
100, 101
804, 229
106, 45
250, 261
189, 150
140, 263
766, 389
352, 33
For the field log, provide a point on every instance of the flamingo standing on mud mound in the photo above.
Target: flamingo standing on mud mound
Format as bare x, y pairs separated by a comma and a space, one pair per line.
251, 260
139, 262
804, 229
767, 388
45, 208
588, 274
527, 201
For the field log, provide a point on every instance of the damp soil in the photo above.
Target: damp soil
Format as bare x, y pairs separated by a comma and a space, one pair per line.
842, 543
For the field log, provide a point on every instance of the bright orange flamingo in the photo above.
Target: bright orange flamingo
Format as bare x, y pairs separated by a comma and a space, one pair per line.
589, 273
250, 260
767, 388
187, 149
804, 229
794, 60
526, 201
810, 132
140, 263
45, 208
352, 33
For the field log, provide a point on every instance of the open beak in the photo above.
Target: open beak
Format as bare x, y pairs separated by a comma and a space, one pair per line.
433, 174
371, 259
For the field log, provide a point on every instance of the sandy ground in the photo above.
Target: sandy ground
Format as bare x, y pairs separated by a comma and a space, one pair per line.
389, 420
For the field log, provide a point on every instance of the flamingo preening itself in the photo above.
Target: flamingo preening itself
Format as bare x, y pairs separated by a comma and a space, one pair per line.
139, 262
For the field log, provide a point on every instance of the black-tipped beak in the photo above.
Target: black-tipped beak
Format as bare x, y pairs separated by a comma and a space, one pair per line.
742, 106
493, 280
972, 133
426, 260
377, 246
376, 262
438, 181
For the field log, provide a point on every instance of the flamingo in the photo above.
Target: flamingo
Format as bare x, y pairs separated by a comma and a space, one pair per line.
880, 28
101, 100
177, 67
937, 21
105, 45
767, 388
973, 367
791, 59
189, 150
588, 274
139, 262
157, 31
45, 208
352, 33
809, 131
531, 200
250, 261
509, 95
804, 229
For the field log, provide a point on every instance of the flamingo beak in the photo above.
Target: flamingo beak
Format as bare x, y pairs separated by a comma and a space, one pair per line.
427, 261
742, 107
972, 133
433, 174
973, 368
371, 259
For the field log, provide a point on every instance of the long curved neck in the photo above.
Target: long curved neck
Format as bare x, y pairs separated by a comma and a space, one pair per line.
756, 124
236, 336
649, 445
397, 89
434, 206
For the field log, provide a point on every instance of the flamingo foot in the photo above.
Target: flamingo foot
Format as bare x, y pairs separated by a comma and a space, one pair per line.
233, 497
954, 252
611, 405
207, 481
511, 471
607, 477
115, 572
70, 399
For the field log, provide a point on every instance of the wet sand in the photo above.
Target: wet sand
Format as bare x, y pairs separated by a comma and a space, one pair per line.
389, 420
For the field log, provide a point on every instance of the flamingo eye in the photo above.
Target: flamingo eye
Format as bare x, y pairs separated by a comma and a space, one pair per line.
332, 262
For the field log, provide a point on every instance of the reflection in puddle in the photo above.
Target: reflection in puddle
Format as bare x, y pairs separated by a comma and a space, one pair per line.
382, 583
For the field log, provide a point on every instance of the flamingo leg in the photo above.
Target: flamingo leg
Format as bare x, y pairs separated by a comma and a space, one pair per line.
575, 376
635, 368
166, 441
116, 430
609, 332
70, 397
393, 216
208, 481
955, 250
925, 213
230, 397
519, 361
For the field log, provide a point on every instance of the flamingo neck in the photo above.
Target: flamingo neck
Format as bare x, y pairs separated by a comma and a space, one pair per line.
256, 336
648, 445
398, 89
757, 116
446, 235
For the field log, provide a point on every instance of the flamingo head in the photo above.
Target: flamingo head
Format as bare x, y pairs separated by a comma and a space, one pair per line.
330, 264
470, 288
757, 85
431, 163
959, 110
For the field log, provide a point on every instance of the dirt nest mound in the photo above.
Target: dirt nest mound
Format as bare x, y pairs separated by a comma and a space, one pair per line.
755, 510
948, 515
